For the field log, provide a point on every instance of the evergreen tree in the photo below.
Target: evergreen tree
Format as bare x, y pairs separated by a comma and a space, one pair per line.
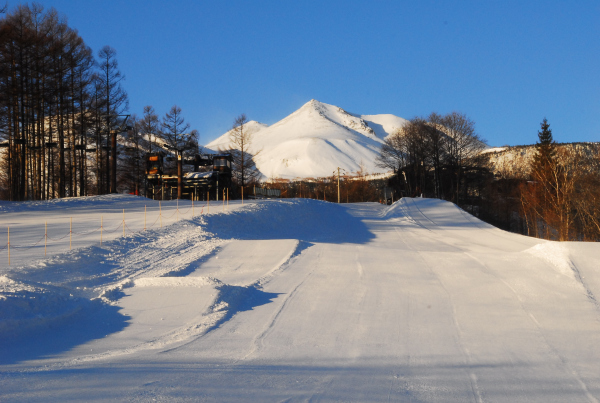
546, 148
547, 197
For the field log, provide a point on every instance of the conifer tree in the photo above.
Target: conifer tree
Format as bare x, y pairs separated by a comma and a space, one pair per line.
546, 149
550, 198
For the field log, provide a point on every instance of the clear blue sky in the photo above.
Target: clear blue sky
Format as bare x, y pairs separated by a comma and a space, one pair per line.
506, 64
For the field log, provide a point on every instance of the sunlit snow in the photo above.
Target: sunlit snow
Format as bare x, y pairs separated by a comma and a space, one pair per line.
317, 139
292, 300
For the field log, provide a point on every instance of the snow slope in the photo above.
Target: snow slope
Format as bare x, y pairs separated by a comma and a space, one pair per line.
301, 300
315, 140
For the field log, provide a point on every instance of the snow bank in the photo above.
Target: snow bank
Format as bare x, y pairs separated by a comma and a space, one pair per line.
556, 254
92, 202
303, 219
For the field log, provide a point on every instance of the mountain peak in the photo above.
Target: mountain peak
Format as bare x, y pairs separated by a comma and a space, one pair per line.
316, 139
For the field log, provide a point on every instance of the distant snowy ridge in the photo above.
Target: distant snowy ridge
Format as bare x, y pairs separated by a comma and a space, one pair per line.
317, 139
515, 161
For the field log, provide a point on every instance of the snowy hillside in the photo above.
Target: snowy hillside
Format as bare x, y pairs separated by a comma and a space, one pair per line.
292, 300
515, 162
315, 140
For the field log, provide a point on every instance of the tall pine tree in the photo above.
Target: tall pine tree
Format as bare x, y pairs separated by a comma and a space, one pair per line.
549, 198
546, 149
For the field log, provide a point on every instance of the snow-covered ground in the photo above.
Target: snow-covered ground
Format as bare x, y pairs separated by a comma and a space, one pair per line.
293, 300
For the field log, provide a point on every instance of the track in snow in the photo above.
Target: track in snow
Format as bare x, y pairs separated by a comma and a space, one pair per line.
302, 300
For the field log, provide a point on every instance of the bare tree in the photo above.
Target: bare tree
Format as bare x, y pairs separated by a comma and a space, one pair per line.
463, 149
133, 163
44, 95
115, 103
149, 126
176, 136
244, 168
393, 151
430, 153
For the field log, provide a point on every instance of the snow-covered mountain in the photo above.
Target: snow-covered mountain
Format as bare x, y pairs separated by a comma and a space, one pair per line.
315, 140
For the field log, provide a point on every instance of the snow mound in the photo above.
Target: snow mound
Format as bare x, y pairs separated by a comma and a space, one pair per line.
24, 306
428, 213
556, 255
303, 219
174, 282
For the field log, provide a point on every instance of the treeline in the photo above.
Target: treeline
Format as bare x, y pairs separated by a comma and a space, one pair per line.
557, 198
64, 127
438, 156
352, 188
55, 102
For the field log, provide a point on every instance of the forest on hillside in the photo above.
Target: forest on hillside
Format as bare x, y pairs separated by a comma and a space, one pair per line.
548, 190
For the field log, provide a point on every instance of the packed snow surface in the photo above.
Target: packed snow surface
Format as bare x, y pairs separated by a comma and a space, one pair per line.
291, 300
315, 140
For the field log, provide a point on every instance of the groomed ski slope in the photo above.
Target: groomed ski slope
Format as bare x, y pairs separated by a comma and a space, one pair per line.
300, 300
